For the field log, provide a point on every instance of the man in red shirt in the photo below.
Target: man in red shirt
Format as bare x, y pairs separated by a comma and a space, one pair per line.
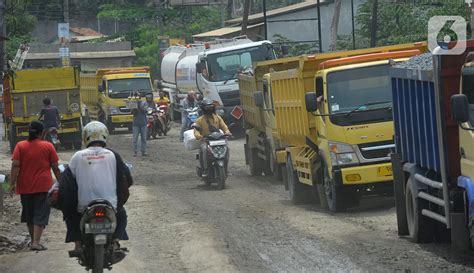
32, 162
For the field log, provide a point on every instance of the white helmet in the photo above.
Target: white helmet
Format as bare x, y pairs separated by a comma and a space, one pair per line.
94, 131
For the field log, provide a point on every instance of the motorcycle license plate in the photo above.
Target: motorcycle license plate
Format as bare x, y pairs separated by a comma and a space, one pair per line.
97, 228
217, 142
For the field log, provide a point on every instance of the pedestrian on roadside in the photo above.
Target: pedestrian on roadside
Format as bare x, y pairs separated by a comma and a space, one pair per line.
32, 161
139, 126
189, 102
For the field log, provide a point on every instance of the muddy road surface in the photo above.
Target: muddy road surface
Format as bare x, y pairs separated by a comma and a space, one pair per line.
178, 225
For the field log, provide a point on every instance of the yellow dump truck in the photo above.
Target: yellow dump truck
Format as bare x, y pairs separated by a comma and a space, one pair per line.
105, 92
338, 149
23, 96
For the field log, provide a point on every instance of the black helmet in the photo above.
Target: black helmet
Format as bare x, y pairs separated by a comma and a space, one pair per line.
208, 107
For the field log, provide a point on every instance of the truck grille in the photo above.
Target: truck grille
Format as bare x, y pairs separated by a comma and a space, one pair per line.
230, 98
124, 110
376, 150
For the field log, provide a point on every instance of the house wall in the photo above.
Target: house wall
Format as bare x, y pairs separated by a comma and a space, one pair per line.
308, 30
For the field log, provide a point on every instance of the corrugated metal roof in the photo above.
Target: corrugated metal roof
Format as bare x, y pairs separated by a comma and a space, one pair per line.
82, 55
258, 17
223, 31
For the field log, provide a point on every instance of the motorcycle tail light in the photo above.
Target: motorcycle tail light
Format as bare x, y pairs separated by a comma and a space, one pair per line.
99, 212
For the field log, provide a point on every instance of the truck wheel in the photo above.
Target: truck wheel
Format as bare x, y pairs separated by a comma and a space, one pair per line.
420, 227
323, 202
299, 193
277, 173
12, 139
255, 164
268, 164
334, 194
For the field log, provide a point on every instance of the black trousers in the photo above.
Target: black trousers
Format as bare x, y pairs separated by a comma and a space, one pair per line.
73, 222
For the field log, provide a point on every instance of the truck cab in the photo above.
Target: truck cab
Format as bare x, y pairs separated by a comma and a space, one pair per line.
217, 72
105, 94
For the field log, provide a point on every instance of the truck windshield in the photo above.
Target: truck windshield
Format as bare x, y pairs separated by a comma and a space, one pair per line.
356, 90
225, 66
122, 88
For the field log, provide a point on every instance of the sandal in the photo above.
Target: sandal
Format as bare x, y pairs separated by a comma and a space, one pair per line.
39, 247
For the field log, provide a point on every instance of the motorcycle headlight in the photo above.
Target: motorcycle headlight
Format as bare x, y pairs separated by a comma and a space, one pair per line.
342, 154
220, 112
113, 110
219, 151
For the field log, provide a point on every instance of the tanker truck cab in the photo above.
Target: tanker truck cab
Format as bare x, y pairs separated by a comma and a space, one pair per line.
115, 89
217, 71
353, 110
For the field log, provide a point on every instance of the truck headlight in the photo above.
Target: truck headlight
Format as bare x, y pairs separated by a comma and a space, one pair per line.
342, 154
113, 110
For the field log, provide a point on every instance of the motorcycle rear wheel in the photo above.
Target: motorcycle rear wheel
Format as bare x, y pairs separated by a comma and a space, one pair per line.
98, 259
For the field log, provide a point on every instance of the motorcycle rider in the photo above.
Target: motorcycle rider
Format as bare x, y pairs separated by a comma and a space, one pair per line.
189, 102
49, 115
162, 99
150, 103
209, 122
100, 174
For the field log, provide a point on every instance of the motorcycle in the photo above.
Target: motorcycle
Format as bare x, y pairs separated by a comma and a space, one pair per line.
98, 224
192, 114
97, 227
217, 157
152, 120
163, 120
52, 136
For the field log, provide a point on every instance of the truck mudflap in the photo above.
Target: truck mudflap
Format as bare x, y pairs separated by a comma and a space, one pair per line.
468, 185
367, 174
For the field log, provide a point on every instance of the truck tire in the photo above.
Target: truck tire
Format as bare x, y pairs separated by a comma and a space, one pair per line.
323, 202
299, 193
334, 193
13, 140
268, 164
255, 164
420, 228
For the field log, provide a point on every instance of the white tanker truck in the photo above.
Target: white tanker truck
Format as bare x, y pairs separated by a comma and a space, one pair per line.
211, 69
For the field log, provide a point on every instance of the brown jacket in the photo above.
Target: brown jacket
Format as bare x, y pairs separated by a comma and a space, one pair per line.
205, 121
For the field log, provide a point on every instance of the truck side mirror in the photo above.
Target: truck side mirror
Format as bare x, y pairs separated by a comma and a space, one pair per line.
258, 98
199, 67
460, 108
310, 100
101, 88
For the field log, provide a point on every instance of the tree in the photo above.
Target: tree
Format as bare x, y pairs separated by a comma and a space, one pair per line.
335, 24
401, 21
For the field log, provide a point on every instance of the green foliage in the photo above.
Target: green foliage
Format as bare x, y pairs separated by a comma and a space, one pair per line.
294, 49
178, 22
403, 21
20, 23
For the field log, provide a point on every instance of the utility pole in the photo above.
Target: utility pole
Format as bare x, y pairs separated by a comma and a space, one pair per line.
320, 42
66, 11
222, 13
265, 19
3, 35
159, 23
245, 17
353, 26
373, 24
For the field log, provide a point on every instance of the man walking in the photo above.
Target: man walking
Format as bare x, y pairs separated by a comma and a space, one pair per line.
139, 126
32, 162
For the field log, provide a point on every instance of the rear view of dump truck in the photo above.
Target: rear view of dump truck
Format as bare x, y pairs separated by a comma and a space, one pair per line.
433, 165
104, 94
23, 95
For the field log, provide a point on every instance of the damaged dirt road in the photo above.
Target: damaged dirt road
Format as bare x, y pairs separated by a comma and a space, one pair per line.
178, 225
